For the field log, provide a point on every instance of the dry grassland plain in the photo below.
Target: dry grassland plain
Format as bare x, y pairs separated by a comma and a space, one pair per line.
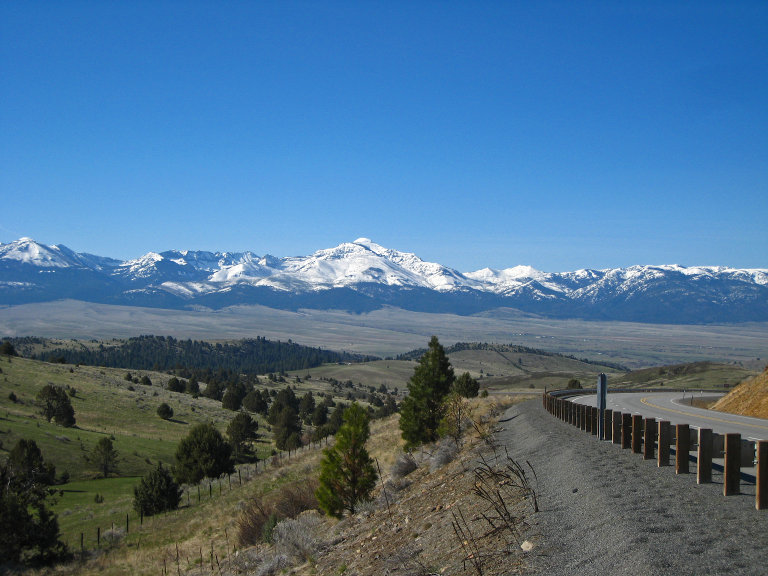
392, 331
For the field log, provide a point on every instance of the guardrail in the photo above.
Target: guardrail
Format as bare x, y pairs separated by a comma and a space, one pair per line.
654, 440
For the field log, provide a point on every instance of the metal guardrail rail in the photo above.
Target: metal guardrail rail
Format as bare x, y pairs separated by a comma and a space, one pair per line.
654, 440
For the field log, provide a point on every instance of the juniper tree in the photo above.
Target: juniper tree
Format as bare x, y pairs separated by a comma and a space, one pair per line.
347, 474
157, 492
422, 410
203, 453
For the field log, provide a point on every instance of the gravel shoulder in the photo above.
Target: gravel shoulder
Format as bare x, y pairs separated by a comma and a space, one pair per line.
604, 510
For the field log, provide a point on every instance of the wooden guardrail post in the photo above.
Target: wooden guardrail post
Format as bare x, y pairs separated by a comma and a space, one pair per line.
704, 457
583, 416
595, 413
587, 419
761, 494
649, 440
682, 447
637, 433
626, 430
732, 481
664, 438
617, 427
608, 425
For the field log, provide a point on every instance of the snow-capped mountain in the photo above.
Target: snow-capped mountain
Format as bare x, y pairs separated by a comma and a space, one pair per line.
363, 275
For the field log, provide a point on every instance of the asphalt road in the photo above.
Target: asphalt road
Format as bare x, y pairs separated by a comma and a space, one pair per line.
672, 406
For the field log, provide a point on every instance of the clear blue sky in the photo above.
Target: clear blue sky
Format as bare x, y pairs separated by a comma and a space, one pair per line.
561, 135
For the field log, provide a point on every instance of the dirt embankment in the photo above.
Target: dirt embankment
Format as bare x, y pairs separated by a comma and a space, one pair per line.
749, 398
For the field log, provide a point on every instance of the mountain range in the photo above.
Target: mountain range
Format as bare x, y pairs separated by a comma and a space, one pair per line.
361, 276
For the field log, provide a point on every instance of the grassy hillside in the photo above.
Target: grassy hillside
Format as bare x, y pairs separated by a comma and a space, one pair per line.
750, 398
497, 367
707, 375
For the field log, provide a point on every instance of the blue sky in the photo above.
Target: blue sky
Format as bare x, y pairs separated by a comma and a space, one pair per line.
561, 135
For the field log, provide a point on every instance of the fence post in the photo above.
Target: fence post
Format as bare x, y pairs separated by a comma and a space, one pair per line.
608, 425
626, 430
596, 422
637, 433
664, 434
704, 457
589, 419
732, 482
126, 524
617, 427
682, 447
650, 439
761, 494
98, 536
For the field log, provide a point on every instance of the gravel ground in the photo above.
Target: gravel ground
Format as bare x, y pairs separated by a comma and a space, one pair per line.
604, 510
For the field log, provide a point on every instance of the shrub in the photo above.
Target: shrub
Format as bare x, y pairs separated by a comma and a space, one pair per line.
175, 385
298, 537
404, 465
444, 454
165, 411
260, 515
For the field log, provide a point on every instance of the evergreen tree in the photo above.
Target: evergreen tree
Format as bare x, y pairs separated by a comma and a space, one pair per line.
7, 349
28, 529
347, 473
105, 457
55, 404
307, 407
203, 453
422, 410
466, 386
286, 428
242, 428
165, 411
157, 492
254, 402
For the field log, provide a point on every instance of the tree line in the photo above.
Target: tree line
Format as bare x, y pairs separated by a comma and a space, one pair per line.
162, 353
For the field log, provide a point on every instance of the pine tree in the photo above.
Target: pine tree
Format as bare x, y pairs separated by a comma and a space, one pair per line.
347, 474
203, 453
105, 457
422, 410
466, 386
157, 492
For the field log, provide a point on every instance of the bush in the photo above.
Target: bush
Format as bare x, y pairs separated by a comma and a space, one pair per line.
259, 517
404, 465
165, 411
299, 537
157, 492
444, 454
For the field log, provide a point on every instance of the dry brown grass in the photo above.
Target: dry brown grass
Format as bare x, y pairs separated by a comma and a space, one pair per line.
750, 398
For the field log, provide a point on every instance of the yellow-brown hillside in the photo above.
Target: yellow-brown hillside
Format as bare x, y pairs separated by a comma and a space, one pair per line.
749, 398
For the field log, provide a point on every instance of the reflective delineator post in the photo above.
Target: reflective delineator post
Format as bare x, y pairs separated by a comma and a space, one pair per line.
602, 389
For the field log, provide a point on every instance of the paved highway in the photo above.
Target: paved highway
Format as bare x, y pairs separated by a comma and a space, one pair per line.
672, 406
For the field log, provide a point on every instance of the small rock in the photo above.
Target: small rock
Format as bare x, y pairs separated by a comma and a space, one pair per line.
527, 546
575, 490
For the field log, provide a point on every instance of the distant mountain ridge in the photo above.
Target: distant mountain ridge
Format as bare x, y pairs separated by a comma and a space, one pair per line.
361, 276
